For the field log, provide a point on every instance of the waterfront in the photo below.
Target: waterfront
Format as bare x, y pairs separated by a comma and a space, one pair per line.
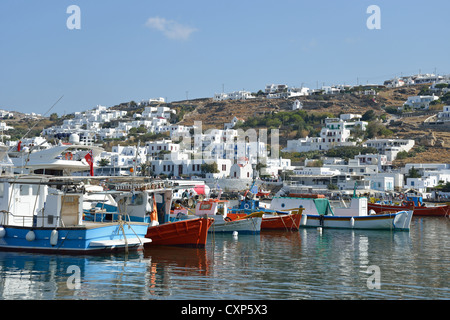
306, 264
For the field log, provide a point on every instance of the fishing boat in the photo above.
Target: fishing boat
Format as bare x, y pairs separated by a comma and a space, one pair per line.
218, 210
414, 204
319, 213
41, 214
151, 203
271, 219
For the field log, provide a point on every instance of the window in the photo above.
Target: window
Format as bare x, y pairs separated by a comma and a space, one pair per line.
24, 190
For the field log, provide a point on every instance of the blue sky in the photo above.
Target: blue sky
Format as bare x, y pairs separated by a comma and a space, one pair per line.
136, 49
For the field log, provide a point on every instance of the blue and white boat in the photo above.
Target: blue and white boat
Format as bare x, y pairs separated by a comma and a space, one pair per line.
317, 212
43, 214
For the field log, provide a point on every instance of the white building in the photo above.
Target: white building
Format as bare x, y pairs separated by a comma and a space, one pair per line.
336, 132
444, 115
236, 95
420, 102
394, 83
390, 147
297, 105
155, 147
232, 123
158, 112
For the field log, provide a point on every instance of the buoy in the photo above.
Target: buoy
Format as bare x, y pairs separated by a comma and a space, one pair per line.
319, 229
235, 234
54, 238
372, 212
30, 236
352, 222
2, 232
304, 219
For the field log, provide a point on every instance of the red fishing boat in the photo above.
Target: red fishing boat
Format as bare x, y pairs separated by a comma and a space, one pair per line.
190, 232
289, 221
438, 211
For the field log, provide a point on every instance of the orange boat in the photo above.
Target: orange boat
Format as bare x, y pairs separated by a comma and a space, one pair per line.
274, 222
190, 232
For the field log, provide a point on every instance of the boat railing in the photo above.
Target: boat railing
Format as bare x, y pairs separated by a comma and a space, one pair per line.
27, 220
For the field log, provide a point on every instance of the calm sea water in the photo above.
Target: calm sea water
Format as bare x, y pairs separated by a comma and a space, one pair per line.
306, 264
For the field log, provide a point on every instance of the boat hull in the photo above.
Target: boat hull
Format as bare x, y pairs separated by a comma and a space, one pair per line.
278, 222
189, 232
85, 239
250, 225
437, 211
391, 221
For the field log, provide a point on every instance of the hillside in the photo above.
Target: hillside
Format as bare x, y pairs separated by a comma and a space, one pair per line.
432, 143
436, 141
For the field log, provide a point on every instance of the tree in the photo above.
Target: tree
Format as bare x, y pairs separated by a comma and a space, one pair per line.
414, 173
103, 162
54, 116
369, 115
209, 168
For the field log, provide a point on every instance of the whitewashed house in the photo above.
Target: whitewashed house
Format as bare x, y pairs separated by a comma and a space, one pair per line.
336, 132
390, 147
444, 115
420, 102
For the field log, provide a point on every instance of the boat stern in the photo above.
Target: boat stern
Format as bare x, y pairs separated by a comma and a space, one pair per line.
402, 220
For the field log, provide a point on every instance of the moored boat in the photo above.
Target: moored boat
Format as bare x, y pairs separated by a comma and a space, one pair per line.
190, 232
38, 218
271, 219
319, 213
422, 210
218, 210
151, 203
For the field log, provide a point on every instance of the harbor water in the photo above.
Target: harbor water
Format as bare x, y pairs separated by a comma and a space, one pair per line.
307, 264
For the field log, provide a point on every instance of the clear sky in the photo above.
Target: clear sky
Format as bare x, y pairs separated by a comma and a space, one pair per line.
140, 49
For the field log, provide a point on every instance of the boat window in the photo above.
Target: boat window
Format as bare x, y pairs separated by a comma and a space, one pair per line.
34, 190
205, 206
139, 200
283, 205
24, 190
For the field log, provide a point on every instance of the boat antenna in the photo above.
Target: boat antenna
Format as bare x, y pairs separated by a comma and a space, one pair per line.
43, 115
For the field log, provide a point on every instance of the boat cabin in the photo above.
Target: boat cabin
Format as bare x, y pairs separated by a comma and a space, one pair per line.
30, 203
211, 207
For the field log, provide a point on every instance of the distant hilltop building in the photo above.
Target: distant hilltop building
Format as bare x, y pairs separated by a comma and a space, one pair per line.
414, 79
337, 132
444, 115
236, 95
420, 102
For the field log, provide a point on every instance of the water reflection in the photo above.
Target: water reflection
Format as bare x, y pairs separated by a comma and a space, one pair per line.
306, 264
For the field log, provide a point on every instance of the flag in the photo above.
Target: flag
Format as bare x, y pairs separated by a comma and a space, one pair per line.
154, 213
90, 160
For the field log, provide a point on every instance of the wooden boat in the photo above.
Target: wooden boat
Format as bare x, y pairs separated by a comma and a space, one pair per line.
152, 204
437, 211
288, 221
271, 219
38, 218
191, 232
218, 210
318, 213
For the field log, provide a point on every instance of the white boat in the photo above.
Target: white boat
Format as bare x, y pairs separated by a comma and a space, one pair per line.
42, 214
217, 209
57, 160
319, 213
